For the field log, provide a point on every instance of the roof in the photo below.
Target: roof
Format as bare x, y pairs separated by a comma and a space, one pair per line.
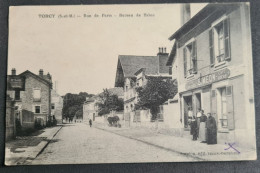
44, 78
116, 91
130, 64
201, 15
172, 55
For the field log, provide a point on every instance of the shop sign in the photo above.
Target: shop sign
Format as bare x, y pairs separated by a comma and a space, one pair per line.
16, 83
208, 79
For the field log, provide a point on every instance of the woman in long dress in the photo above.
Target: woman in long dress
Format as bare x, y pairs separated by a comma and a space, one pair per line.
211, 130
202, 128
193, 128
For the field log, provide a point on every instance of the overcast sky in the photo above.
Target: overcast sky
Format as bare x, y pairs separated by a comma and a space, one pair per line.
81, 53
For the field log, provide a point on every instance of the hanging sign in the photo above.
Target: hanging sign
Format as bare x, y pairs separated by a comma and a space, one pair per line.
208, 79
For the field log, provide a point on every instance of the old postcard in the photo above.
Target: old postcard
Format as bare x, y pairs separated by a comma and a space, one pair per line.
129, 83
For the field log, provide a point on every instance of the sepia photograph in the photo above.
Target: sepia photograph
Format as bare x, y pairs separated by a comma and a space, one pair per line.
139, 83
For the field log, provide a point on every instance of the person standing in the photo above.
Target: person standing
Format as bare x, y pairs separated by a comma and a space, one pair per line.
211, 129
202, 127
90, 122
193, 128
198, 115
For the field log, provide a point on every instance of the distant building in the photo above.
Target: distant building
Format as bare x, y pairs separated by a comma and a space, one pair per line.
90, 109
133, 71
56, 106
128, 65
32, 96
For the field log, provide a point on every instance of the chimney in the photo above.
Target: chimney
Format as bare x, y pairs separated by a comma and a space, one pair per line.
13, 71
185, 13
41, 72
49, 76
162, 51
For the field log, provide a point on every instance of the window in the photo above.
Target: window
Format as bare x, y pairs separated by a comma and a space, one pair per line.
219, 42
190, 59
17, 95
37, 94
52, 106
37, 109
223, 108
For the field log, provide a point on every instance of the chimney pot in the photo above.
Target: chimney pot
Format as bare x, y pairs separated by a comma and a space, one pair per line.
41, 72
165, 50
13, 71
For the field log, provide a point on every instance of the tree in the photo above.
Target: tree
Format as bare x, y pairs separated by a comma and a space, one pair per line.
155, 93
109, 102
73, 104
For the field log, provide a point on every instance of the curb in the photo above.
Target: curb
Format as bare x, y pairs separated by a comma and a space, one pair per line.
30, 159
154, 145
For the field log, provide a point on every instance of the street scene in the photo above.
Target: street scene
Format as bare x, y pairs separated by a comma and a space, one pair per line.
187, 96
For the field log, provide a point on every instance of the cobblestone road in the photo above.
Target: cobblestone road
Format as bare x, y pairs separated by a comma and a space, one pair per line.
78, 143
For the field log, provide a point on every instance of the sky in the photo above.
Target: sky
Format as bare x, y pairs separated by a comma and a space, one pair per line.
81, 53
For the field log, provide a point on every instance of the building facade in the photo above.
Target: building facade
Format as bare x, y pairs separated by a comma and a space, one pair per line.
32, 96
56, 106
90, 109
214, 61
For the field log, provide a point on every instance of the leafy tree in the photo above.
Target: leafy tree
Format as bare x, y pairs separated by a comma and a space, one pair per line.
109, 102
155, 93
73, 104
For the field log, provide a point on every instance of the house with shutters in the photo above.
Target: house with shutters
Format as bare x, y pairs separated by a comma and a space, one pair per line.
213, 54
32, 96
132, 72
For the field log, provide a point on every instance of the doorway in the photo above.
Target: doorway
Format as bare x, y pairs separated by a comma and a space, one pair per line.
187, 105
197, 102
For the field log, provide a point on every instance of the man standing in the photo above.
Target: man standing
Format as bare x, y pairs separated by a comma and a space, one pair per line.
90, 122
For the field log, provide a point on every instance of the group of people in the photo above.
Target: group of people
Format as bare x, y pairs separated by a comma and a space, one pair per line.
203, 127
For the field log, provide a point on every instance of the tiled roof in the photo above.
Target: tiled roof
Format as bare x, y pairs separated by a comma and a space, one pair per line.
116, 91
131, 64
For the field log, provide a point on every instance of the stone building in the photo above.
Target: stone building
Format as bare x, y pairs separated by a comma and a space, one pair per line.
32, 96
213, 54
56, 106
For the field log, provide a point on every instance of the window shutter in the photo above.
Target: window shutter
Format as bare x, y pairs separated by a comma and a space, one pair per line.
211, 47
214, 104
227, 39
185, 61
230, 108
194, 56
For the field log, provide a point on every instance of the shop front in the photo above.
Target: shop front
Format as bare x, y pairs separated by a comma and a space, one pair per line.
217, 93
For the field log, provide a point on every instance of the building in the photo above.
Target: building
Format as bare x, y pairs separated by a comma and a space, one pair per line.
133, 71
128, 65
213, 54
32, 96
90, 109
56, 106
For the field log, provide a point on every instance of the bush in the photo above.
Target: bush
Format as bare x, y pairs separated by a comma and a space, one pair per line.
113, 121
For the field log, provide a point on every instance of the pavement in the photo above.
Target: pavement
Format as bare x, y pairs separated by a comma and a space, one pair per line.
182, 145
78, 143
23, 150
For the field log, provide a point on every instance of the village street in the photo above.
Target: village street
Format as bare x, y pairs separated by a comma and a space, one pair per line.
78, 143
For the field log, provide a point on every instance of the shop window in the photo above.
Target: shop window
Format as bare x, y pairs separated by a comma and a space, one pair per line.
223, 108
37, 109
219, 42
190, 59
225, 112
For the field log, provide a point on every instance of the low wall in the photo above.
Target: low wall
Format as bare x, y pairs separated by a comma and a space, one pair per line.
10, 132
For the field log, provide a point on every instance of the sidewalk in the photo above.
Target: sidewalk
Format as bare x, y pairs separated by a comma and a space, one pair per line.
24, 149
182, 145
